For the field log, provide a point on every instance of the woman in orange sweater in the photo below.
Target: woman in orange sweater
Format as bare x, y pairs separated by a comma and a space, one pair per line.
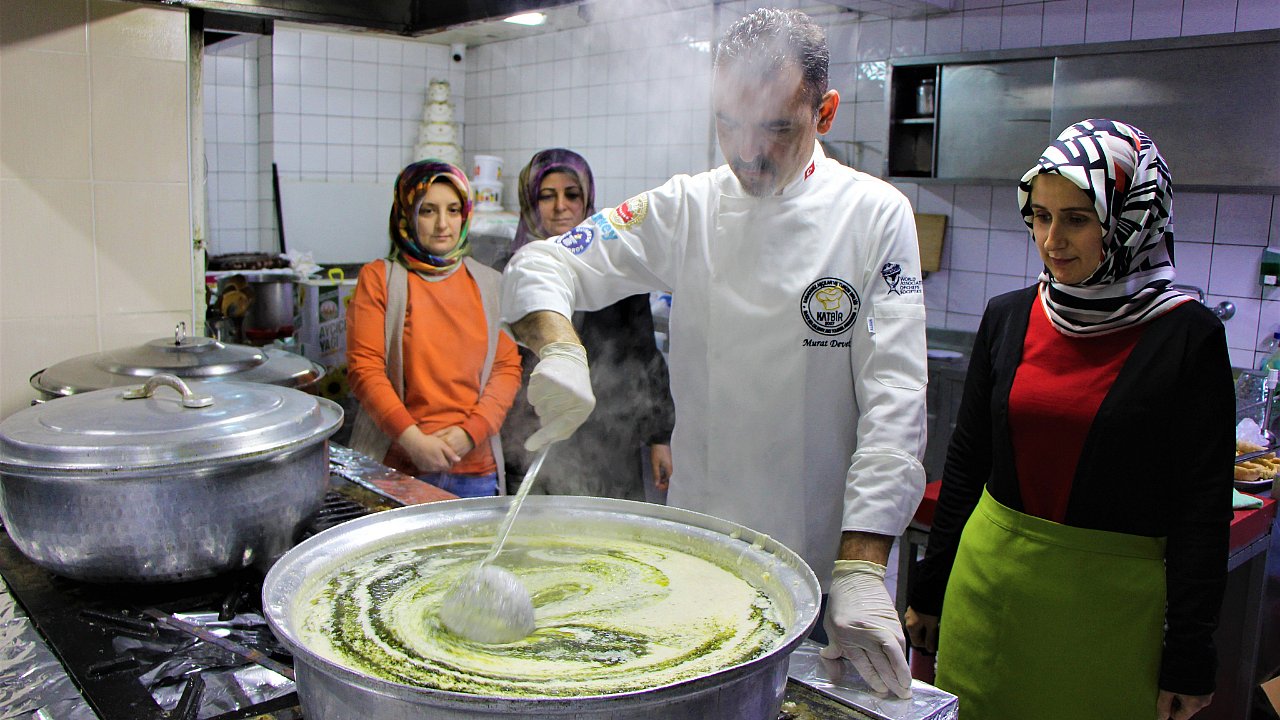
458, 373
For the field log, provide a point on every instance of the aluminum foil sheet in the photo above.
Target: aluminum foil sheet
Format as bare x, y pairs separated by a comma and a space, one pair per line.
33, 684
926, 702
227, 681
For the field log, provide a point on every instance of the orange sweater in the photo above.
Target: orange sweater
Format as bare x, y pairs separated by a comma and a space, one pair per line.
445, 339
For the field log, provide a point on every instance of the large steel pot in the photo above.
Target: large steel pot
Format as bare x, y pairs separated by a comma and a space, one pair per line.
164, 481
750, 691
188, 357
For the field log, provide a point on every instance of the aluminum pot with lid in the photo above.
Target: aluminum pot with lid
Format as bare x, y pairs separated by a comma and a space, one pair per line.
165, 481
188, 357
750, 690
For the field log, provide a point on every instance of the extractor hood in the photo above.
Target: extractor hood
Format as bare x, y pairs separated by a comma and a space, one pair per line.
403, 17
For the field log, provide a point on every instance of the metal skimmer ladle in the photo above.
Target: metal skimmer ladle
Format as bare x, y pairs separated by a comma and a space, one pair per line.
490, 604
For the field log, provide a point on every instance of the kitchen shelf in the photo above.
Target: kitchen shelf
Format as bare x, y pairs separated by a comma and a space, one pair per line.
913, 131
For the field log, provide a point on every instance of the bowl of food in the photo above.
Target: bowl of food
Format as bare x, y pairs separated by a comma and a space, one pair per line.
641, 611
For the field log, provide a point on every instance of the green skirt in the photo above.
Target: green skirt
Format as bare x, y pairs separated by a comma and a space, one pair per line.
1046, 621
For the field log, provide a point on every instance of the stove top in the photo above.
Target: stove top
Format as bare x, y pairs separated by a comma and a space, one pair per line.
201, 650
197, 649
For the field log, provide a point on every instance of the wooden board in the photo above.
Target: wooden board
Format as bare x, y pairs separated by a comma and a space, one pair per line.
930, 230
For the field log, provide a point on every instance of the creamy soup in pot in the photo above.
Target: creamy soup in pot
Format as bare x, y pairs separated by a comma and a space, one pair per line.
613, 615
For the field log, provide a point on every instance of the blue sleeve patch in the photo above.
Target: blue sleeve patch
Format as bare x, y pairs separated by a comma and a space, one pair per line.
578, 239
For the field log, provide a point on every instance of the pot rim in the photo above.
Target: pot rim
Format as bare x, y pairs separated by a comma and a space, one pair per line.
130, 430
314, 556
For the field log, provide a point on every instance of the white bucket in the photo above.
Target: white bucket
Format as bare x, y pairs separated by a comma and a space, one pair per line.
487, 195
488, 169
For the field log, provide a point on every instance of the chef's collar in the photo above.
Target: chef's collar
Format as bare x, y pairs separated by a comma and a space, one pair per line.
791, 189
794, 187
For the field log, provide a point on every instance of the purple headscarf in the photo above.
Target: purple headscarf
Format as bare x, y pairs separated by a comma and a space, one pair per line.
540, 165
411, 187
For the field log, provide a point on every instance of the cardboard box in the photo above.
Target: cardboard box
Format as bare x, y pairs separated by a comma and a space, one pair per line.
1272, 690
320, 329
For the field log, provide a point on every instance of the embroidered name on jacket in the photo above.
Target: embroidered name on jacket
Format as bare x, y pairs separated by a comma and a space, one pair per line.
829, 306
603, 227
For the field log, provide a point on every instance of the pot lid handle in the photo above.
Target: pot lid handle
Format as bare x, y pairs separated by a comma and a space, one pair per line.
189, 399
180, 332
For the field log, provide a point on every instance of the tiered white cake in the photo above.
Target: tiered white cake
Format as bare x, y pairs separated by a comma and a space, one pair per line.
438, 133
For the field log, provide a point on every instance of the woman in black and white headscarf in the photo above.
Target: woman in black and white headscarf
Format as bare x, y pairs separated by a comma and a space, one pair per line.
1091, 569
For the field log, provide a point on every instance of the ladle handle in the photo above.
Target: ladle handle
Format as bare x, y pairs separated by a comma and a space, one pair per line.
510, 517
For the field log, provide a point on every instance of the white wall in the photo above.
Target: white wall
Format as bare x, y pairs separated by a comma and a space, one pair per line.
1220, 237
631, 93
238, 192
324, 105
95, 213
628, 92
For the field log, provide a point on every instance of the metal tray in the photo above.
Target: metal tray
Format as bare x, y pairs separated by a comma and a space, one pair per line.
926, 702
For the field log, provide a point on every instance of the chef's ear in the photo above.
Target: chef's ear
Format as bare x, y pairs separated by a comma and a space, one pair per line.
827, 110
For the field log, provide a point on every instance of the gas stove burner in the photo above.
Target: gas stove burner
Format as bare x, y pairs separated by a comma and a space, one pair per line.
197, 649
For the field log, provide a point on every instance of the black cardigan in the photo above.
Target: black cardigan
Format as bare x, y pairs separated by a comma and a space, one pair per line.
1157, 462
633, 408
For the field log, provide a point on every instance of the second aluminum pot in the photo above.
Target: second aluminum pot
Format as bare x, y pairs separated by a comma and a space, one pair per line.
164, 481
752, 690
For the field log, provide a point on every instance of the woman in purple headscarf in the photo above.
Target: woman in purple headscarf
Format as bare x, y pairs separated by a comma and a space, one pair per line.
628, 373
1081, 532
425, 358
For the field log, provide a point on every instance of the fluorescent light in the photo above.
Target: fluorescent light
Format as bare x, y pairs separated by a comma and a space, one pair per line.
532, 18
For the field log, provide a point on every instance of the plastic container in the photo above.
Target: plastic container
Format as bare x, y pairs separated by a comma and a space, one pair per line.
1269, 273
488, 169
487, 195
1271, 361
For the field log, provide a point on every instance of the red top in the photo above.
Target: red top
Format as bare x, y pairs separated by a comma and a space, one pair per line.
1056, 392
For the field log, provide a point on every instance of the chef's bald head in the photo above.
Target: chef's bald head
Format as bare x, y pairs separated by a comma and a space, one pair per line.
768, 39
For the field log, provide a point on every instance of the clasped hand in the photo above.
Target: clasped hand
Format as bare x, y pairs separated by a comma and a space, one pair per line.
438, 451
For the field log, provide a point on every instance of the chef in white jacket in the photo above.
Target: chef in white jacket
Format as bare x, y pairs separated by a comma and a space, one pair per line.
797, 332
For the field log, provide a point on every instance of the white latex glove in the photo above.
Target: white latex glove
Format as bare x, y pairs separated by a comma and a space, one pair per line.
560, 392
862, 625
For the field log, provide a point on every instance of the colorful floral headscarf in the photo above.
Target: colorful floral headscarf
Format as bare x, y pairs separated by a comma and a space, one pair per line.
540, 165
1121, 171
411, 187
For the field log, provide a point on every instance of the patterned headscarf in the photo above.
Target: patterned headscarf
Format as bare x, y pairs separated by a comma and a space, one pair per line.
1121, 171
540, 165
411, 187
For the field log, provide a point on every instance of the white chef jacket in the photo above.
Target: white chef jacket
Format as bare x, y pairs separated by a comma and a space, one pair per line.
797, 343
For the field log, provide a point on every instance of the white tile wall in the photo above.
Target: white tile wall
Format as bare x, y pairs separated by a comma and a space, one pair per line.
347, 106
631, 94
322, 105
1220, 238
233, 141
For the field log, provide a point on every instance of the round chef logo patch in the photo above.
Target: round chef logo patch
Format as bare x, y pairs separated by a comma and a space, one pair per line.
577, 239
829, 306
630, 213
